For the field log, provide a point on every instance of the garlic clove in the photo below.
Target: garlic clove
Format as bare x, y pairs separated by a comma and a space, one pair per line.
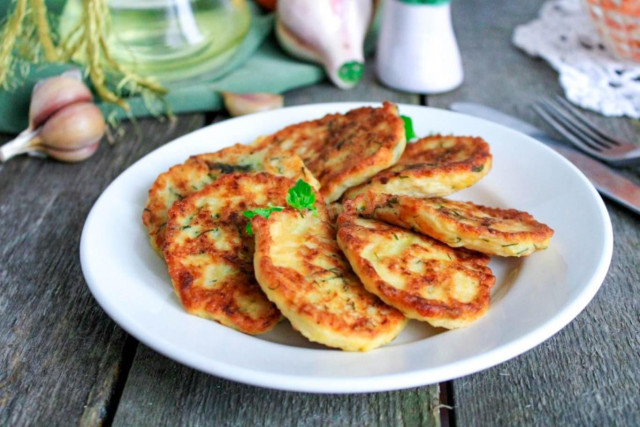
52, 94
238, 104
27, 141
73, 127
329, 32
73, 155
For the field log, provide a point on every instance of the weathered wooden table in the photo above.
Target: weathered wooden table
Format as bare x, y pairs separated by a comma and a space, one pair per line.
63, 361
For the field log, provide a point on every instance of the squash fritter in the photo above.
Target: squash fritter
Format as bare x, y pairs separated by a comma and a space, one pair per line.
344, 150
210, 255
423, 278
493, 231
433, 166
200, 170
300, 268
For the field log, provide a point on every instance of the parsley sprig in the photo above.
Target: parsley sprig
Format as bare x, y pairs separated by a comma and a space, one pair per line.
408, 127
300, 196
265, 212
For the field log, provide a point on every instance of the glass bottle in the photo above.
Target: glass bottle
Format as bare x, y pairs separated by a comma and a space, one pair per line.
170, 39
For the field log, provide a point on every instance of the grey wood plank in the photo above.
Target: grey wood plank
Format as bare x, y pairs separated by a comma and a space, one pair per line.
162, 392
589, 373
61, 355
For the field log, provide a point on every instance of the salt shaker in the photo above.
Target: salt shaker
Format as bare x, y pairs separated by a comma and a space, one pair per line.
417, 48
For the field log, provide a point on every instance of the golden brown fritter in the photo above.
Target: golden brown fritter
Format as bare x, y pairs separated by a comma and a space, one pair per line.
421, 277
333, 210
198, 171
300, 268
210, 254
493, 231
433, 166
344, 150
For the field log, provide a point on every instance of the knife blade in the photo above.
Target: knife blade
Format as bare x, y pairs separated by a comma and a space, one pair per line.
608, 183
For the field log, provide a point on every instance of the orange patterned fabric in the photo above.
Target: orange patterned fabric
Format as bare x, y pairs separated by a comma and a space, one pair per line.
618, 22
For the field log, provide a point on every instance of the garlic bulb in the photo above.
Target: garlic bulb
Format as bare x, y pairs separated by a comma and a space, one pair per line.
239, 104
329, 32
49, 95
63, 122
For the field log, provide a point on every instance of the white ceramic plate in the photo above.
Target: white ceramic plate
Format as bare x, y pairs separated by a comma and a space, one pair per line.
533, 297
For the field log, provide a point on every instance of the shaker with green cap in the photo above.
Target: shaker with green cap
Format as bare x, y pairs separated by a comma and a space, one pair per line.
417, 49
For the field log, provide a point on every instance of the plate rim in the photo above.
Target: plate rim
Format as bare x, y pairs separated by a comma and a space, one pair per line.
383, 382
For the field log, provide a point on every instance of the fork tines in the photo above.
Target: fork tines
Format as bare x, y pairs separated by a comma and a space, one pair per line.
573, 125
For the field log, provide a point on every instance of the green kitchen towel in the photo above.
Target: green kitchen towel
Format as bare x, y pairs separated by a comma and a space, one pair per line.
259, 65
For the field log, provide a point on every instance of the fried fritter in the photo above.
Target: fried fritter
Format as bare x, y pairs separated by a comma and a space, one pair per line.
433, 166
493, 231
210, 254
421, 277
300, 268
334, 209
344, 150
198, 171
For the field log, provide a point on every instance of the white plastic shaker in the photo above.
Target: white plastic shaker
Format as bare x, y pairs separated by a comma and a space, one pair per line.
417, 48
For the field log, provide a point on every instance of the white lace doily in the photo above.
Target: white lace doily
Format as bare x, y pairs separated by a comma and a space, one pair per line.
591, 77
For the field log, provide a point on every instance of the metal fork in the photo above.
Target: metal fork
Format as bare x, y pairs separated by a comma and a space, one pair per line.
569, 122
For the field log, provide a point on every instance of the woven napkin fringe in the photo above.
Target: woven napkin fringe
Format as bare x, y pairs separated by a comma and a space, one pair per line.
591, 76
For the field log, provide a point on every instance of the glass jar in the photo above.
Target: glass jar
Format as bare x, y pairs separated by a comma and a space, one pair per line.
170, 39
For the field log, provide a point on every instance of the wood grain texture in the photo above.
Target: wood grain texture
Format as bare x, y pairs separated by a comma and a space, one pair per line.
60, 353
587, 374
160, 391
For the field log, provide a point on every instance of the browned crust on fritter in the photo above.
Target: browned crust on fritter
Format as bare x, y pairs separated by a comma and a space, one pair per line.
454, 162
344, 150
459, 224
154, 216
202, 169
408, 300
333, 210
226, 302
287, 287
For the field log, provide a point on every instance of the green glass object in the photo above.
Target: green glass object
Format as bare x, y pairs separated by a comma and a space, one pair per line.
170, 39
351, 72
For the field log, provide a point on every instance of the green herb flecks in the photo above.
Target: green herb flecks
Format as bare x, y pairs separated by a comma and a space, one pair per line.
477, 168
408, 127
301, 196
264, 212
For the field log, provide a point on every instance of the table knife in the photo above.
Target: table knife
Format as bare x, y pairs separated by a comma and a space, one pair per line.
608, 183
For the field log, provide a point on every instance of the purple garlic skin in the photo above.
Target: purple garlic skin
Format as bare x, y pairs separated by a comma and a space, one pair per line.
73, 127
63, 122
52, 94
239, 104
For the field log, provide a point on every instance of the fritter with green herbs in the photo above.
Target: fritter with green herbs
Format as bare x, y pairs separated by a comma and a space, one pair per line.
493, 231
423, 278
301, 269
433, 166
344, 150
198, 171
210, 253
